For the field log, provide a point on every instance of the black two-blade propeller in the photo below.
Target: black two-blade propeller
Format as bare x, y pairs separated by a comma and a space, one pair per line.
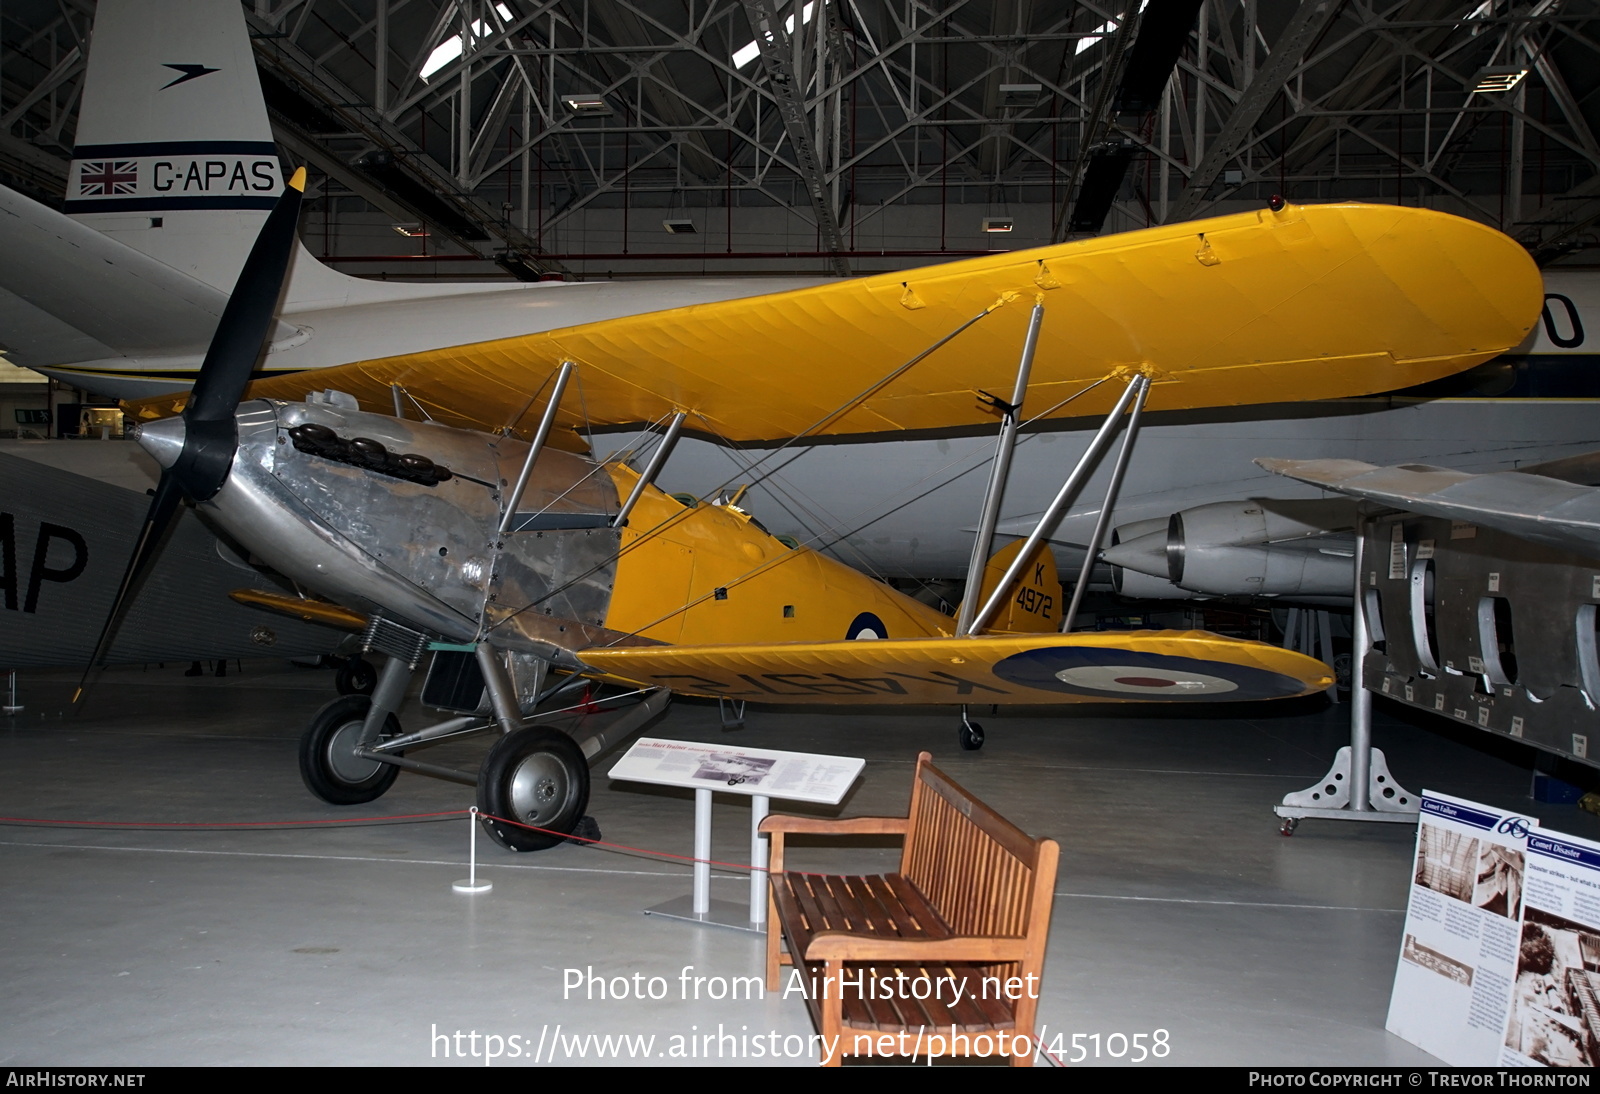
210, 432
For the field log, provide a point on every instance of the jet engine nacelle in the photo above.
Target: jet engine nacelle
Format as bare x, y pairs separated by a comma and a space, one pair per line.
1265, 571
1147, 587
1252, 547
1248, 548
1257, 521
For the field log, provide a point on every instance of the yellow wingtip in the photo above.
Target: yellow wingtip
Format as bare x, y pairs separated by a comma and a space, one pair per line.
298, 179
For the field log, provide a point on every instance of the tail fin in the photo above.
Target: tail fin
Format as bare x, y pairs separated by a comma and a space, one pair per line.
1033, 604
174, 154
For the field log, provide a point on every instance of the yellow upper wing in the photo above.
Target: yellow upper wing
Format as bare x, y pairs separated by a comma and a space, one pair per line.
1038, 669
1306, 303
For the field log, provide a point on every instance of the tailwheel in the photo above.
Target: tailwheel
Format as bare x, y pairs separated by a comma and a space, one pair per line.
1289, 825
537, 777
357, 676
328, 761
970, 734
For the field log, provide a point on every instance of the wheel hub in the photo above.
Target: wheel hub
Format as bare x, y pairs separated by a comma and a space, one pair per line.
539, 789
342, 758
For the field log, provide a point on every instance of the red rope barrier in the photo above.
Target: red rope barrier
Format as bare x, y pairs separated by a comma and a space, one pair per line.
349, 822
636, 850
229, 824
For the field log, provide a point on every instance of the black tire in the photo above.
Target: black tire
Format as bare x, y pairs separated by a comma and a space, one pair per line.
971, 734
357, 676
328, 765
534, 776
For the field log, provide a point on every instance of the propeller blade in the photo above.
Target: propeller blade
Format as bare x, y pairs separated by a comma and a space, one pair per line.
210, 435
156, 520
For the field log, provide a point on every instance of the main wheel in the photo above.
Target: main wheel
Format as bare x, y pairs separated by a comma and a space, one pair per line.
536, 777
356, 676
971, 734
328, 763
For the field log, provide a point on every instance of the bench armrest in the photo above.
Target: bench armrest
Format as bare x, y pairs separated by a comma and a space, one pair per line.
847, 826
850, 946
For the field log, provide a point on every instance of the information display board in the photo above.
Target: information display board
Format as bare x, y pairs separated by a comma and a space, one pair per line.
1555, 1001
1458, 954
795, 776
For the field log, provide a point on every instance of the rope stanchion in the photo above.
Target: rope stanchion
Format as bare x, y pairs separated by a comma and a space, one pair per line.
470, 883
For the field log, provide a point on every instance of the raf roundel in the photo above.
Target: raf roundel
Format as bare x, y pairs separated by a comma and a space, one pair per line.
866, 625
1128, 674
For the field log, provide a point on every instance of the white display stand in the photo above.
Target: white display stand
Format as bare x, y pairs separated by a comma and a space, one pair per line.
759, 773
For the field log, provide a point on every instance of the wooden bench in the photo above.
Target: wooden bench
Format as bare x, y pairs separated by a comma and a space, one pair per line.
963, 924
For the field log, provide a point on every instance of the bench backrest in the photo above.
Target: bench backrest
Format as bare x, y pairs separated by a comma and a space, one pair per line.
984, 874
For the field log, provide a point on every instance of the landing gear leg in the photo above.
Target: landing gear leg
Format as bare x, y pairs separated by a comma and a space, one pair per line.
970, 734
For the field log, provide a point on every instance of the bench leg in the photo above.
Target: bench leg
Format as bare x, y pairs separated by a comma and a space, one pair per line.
833, 1014
775, 955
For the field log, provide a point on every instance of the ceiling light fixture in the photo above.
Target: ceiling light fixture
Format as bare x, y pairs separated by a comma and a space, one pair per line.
1019, 94
587, 104
1499, 78
750, 51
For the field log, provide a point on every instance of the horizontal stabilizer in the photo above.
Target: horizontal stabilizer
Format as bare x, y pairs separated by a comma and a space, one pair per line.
1545, 510
1133, 666
69, 293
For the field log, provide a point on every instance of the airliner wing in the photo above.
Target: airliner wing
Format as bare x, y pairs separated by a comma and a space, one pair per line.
1309, 302
1545, 510
69, 293
1143, 666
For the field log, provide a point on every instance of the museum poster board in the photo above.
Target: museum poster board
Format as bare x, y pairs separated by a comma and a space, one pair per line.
768, 772
1458, 953
1555, 1003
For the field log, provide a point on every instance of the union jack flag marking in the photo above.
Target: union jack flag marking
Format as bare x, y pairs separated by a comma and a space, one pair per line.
109, 177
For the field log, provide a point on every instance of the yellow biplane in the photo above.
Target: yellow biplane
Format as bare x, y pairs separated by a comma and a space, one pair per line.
481, 539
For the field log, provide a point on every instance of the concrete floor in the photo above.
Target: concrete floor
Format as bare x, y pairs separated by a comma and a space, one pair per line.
1179, 906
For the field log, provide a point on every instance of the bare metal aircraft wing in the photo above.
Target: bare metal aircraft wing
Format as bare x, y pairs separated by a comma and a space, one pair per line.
1536, 507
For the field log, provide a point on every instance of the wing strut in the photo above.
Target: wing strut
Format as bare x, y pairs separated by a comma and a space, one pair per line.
1112, 489
999, 473
514, 499
1052, 515
669, 440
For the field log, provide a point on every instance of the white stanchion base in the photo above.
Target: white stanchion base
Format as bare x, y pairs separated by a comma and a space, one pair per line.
723, 913
467, 886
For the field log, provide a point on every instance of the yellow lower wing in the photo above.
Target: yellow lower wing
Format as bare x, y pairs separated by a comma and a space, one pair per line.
1133, 666
1308, 302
